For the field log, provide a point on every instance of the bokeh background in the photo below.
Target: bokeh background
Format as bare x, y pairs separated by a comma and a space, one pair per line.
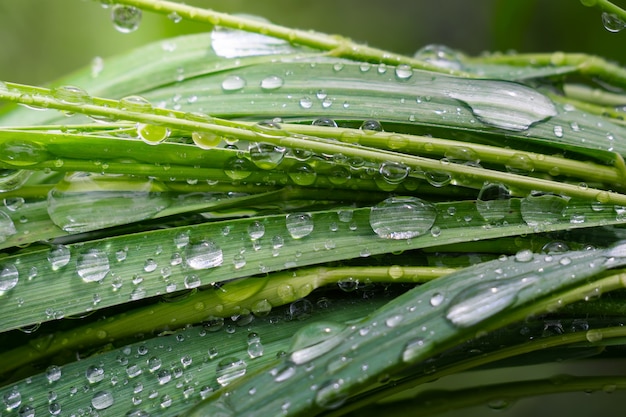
45, 39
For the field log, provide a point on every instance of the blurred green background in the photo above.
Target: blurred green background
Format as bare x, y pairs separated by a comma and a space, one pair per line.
45, 39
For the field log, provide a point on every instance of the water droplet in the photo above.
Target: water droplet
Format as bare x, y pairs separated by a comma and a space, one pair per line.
256, 230
70, 94
371, 126
402, 217
436, 299
558, 131
7, 227
299, 225
494, 201
504, 104
238, 168
163, 376
271, 83
480, 302
228, 43
438, 178
135, 104
192, 281
302, 174
612, 22
83, 202
394, 172
94, 374
93, 265
306, 102
229, 369
524, 255
150, 265
14, 203
520, 164
53, 373
539, 209
413, 350
331, 394
314, 340
266, 155
394, 320
324, 122
152, 134
22, 153
126, 19
174, 17
404, 72
440, 56
300, 309
12, 399
203, 255
233, 83
102, 400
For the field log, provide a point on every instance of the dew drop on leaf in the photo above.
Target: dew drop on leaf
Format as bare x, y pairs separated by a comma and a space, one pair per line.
612, 22
540, 209
271, 82
266, 155
314, 340
393, 172
126, 19
402, 217
93, 265
493, 202
299, 225
480, 302
102, 400
230, 369
233, 83
7, 227
135, 104
203, 255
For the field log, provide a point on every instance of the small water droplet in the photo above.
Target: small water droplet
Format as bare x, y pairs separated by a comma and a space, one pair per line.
324, 122
331, 395
520, 164
126, 19
371, 126
152, 134
12, 399
402, 217
238, 168
256, 230
558, 131
7, 227
94, 374
102, 400
174, 17
9, 277
266, 155
58, 256
612, 22
314, 340
440, 56
205, 140
299, 225
233, 83
203, 255
302, 174
436, 299
480, 302
13, 203
53, 373
135, 104
524, 255
93, 265
493, 202
272, 82
306, 102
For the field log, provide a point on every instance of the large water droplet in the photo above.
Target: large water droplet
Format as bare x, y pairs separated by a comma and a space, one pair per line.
203, 255
7, 227
266, 155
9, 277
314, 340
539, 209
331, 394
504, 104
102, 400
22, 153
135, 104
612, 22
126, 19
12, 399
299, 225
482, 301
12, 179
494, 201
302, 174
84, 202
238, 168
402, 217
93, 265
229, 369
